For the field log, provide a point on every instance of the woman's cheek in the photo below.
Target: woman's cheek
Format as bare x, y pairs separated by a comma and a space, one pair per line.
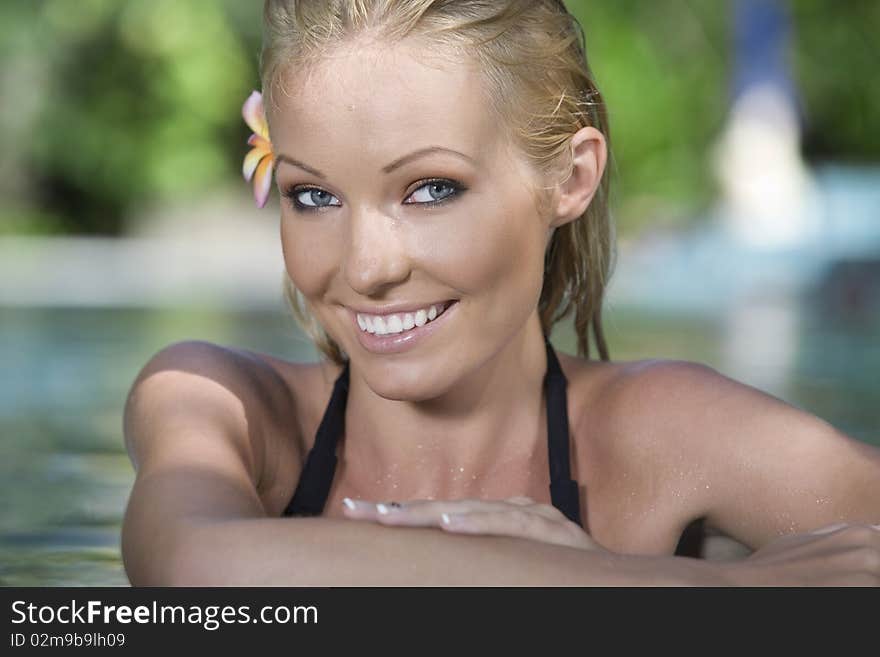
308, 258
499, 252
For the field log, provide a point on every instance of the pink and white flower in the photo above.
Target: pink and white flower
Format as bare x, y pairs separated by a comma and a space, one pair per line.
259, 161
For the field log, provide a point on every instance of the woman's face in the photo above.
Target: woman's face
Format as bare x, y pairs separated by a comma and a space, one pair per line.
359, 232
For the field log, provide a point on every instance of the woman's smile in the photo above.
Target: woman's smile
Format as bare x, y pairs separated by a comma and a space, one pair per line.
396, 332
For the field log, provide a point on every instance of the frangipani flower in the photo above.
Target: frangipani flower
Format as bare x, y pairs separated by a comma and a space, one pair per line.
259, 161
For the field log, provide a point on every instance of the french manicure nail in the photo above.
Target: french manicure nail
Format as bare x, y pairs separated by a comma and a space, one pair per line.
381, 508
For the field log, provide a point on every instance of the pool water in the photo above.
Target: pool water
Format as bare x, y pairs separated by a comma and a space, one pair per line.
65, 476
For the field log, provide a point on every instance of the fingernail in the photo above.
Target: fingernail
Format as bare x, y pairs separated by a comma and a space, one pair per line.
829, 529
381, 508
347, 501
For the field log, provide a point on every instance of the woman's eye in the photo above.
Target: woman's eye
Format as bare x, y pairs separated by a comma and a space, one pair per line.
431, 192
435, 191
310, 197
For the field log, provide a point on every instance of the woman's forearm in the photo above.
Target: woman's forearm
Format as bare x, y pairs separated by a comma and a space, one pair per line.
337, 552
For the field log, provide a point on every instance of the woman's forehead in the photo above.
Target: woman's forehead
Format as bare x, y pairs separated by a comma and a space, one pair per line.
371, 94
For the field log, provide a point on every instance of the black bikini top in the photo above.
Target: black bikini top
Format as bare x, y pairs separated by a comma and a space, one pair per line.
317, 475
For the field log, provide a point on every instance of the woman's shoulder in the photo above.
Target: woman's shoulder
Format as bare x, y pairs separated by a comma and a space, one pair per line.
271, 394
258, 380
626, 394
640, 411
632, 427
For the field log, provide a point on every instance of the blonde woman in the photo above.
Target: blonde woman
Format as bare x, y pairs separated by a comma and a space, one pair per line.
443, 173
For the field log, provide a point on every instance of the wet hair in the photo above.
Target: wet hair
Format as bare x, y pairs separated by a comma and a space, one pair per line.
532, 57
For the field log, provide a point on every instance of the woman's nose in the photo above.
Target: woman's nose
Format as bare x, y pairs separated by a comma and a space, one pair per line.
376, 255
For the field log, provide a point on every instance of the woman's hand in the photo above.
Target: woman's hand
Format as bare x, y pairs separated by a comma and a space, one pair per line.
520, 517
837, 555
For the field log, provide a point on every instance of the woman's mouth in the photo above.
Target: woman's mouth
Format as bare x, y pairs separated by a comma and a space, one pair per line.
395, 332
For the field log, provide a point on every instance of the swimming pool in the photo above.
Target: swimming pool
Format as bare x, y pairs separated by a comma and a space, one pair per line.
65, 476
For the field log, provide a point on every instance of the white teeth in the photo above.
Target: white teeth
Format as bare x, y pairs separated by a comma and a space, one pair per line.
389, 324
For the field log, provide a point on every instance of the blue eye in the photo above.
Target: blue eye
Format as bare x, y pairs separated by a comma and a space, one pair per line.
314, 199
317, 198
435, 191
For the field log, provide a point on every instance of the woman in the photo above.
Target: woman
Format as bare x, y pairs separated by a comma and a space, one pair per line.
444, 204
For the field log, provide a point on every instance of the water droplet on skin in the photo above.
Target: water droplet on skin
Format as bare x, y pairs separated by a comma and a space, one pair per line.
461, 469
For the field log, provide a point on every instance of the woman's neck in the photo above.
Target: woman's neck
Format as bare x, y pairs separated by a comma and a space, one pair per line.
491, 417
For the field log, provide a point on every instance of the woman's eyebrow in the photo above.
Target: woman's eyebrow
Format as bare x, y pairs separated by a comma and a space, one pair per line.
281, 157
421, 153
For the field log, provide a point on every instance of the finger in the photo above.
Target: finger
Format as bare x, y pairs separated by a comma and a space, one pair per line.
547, 510
358, 509
517, 524
830, 528
414, 513
428, 512
520, 500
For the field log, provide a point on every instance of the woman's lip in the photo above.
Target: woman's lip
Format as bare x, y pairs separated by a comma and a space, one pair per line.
397, 342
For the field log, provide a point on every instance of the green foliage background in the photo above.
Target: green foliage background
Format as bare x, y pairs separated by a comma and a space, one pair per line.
110, 104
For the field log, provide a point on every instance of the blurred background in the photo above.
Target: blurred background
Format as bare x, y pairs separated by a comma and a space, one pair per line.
746, 140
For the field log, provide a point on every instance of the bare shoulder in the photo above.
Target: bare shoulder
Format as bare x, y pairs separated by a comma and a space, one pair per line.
198, 386
700, 444
631, 415
202, 425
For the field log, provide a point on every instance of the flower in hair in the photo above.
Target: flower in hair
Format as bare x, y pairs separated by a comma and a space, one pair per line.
258, 162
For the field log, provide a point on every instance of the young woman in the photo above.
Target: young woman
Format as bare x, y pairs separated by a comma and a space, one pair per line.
443, 173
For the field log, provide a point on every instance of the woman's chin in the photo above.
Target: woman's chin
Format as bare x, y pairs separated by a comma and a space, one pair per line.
413, 386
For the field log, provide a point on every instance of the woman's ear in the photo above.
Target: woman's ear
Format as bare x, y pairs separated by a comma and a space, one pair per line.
573, 196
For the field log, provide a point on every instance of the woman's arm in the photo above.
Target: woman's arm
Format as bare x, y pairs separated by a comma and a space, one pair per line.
195, 517
237, 546
755, 467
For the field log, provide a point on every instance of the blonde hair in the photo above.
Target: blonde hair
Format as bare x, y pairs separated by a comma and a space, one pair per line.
528, 50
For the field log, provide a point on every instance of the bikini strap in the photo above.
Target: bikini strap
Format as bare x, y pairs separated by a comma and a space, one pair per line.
563, 490
317, 474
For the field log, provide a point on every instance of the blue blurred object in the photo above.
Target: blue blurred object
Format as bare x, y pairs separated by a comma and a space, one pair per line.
708, 269
761, 40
